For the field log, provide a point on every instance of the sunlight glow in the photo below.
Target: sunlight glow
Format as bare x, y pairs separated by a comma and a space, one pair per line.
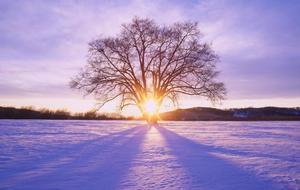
150, 106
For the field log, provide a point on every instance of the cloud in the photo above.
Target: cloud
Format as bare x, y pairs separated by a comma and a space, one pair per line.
44, 43
258, 45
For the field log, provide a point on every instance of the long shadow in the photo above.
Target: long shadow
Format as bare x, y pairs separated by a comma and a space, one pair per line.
95, 164
54, 154
206, 171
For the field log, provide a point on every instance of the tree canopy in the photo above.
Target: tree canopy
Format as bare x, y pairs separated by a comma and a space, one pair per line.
147, 61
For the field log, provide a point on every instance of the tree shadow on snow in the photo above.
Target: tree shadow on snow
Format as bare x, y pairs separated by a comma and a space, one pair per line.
206, 171
94, 164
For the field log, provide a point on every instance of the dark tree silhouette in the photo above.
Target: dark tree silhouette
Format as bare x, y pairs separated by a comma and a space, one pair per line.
147, 61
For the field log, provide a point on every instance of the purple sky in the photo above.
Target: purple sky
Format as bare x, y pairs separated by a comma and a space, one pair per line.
44, 43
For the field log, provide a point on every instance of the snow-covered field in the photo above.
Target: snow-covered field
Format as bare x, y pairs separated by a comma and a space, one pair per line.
36, 154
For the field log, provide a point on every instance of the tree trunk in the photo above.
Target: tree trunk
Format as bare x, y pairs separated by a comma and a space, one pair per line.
151, 119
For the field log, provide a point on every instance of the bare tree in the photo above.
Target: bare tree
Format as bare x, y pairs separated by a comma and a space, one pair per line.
148, 62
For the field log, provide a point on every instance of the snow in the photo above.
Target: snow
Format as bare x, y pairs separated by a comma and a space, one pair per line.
45, 154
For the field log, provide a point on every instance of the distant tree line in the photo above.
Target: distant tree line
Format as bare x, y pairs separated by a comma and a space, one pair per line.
190, 114
32, 113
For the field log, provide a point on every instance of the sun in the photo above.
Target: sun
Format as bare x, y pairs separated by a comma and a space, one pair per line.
150, 106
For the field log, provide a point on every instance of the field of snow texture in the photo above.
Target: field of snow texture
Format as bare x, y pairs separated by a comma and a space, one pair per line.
36, 154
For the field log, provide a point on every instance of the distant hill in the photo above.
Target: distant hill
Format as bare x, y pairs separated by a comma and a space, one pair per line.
239, 114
